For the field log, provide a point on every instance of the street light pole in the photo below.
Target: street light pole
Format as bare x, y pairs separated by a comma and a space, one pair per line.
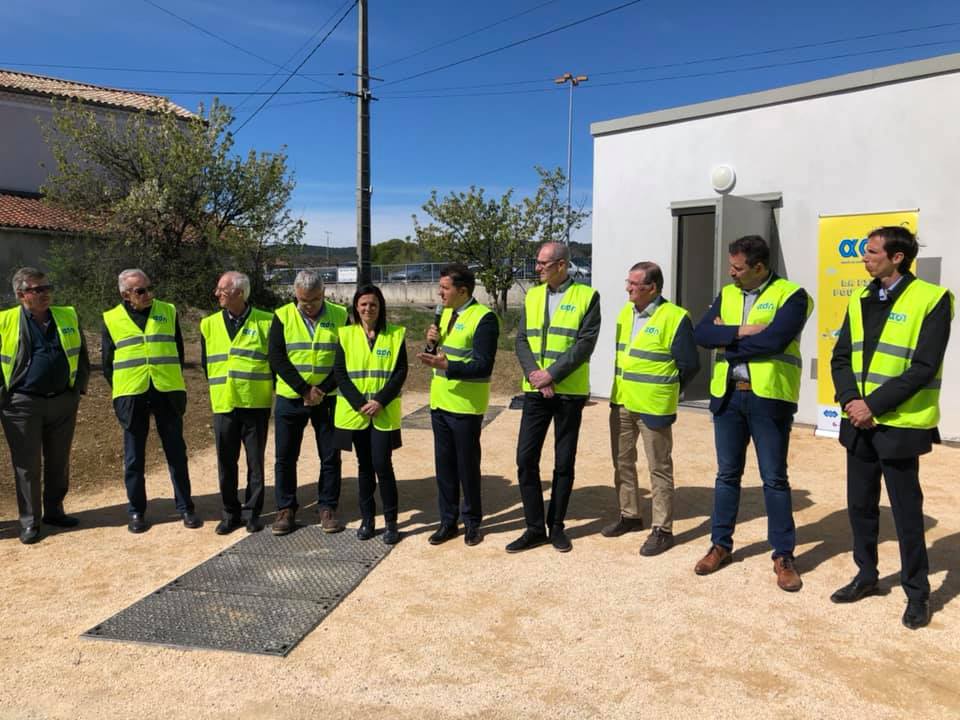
574, 80
327, 233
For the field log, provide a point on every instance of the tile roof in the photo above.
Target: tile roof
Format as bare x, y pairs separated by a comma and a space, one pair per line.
34, 213
13, 81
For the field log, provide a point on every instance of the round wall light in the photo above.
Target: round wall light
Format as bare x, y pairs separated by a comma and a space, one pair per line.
723, 178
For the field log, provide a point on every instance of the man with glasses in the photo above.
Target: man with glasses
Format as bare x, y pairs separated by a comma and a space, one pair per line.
142, 353
302, 345
233, 353
45, 368
558, 331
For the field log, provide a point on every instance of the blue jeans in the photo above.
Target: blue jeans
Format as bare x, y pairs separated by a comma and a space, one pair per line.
745, 418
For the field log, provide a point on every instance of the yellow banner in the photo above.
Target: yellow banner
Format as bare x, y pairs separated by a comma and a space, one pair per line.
841, 273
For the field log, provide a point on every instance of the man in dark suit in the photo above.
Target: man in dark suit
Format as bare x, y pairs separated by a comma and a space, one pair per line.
466, 342
886, 369
45, 368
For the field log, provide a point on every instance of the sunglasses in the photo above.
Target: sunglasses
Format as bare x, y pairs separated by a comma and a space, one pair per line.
141, 290
38, 289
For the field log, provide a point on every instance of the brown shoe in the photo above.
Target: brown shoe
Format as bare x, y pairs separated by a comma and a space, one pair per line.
286, 521
329, 522
787, 576
622, 526
715, 559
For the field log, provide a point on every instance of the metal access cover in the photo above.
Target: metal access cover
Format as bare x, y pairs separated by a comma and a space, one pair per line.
420, 419
262, 595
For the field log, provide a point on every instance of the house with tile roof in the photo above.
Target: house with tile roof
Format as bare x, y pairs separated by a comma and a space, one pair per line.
28, 225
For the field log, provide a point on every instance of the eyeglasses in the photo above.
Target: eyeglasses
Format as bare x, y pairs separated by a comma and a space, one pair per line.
141, 290
38, 289
546, 263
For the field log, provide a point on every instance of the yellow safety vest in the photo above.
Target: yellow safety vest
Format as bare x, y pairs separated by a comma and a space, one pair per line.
237, 370
646, 379
466, 397
144, 356
68, 330
561, 333
369, 369
311, 356
776, 377
892, 357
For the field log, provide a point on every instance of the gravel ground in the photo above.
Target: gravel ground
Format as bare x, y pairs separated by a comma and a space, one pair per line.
453, 631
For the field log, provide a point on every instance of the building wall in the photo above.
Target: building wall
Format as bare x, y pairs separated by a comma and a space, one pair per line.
19, 248
25, 159
871, 150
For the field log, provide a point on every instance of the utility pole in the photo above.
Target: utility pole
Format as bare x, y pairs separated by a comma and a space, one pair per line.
327, 233
363, 149
574, 80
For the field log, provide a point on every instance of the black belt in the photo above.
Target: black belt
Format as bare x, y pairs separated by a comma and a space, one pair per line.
741, 385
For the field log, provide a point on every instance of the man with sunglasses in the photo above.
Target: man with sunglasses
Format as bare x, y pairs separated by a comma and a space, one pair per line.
142, 354
558, 331
45, 368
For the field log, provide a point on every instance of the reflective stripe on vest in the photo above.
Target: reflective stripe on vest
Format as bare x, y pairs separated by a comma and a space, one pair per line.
369, 369
68, 331
237, 370
646, 379
776, 377
467, 397
561, 333
144, 356
894, 351
311, 356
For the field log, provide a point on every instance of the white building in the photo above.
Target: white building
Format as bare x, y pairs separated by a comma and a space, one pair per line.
867, 142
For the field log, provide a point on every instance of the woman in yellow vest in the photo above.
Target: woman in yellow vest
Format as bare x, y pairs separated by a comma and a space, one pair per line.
370, 368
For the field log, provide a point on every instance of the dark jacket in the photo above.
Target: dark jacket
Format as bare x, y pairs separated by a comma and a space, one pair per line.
890, 442
787, 324
22, 362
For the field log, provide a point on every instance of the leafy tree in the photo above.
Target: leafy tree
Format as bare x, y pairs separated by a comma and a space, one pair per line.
496, 235
165, 193
398, 251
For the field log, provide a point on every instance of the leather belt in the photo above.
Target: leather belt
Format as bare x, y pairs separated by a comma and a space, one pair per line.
741, 385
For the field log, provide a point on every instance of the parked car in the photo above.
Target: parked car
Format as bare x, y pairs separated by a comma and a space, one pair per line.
412, 273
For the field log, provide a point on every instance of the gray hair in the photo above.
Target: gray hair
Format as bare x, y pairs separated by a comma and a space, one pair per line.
21, 276
129, 273
559, 251
308, 280
239, 281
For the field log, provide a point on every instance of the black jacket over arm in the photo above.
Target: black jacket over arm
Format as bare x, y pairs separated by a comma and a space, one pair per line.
890, 442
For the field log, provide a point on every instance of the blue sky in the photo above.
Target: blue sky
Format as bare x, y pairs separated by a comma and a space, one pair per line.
486, 122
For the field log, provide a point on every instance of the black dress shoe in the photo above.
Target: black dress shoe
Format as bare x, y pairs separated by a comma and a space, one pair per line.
530, 539
366, 530
61, 520
190, 520
30, 534
444, 532
254, 525
228, 525
472, 536
391, 536
855, 590
917, 614
137, 523
560, 541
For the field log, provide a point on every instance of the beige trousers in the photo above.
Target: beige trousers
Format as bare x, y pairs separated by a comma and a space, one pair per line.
625, 428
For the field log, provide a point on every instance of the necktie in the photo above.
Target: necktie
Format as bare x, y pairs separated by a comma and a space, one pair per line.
453, 320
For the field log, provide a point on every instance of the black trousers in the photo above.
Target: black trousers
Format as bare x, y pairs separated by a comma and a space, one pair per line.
246, 426
538, 412
170, 429
290, 420
40, 432
456, 450
906, 500
375, 462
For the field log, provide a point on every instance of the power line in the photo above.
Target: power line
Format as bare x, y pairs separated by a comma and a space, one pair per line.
513, 44
294, 71
465, 35
661, 66
220, 38
158, 71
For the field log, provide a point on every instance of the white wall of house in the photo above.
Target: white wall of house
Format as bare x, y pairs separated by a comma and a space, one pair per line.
25, 159
875, 149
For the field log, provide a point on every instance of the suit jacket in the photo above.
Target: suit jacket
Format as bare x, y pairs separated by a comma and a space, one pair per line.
22, 361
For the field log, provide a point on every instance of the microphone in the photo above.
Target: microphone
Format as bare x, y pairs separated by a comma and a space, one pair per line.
431, 348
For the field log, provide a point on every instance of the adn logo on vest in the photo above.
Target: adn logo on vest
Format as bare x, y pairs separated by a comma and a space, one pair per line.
383, 352
652, 330
249, 331
160, 318
897, 317
67, 330
459, 326
766, 306
326, 324
567, 307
